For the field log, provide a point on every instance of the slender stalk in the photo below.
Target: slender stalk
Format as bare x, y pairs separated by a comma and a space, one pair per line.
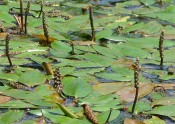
7, 49
136, 83
72, 52
92, 23
161, 50
26, 15
107, 121
21, 15
41, 9
45, 28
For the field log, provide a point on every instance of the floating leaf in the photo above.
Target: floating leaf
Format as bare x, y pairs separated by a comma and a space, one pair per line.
108, 88
102, 117
113, 77
148, 2
11, 116
154, 120
9, 77
63, 119
140, 107
16, 104
168, 110
102, 103
128, 93
164, 101
4, 99
83, 43
76, 87
32, 78
42, 37
103, 34
132, 121
67, 112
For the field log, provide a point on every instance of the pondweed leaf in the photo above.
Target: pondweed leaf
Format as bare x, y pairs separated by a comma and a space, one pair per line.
32, 78
164, 101
154, 120
77, 87
11, 116
164, 110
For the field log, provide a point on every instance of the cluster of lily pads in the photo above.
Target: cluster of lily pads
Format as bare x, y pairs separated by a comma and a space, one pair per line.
98, 74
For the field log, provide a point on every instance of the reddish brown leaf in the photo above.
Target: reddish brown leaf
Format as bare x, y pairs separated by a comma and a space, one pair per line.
4, 99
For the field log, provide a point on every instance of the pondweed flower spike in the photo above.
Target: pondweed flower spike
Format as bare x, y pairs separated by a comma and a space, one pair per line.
26, 15
57, 80
7, 49
91, 23
21, 15
161, 50
45, 28
41, 9
89, 114
136, 83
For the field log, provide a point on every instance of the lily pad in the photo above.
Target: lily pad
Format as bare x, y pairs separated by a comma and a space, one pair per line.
32, 78
77, 87
11, 116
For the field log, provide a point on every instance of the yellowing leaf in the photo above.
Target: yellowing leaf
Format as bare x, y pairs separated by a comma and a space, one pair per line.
3, 35
83, 43
107, 88
132, 121
42, 37
166, 85
128, 93
124, 19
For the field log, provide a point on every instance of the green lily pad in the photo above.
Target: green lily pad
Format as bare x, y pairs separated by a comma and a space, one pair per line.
154, 120
103, 88
63, 119
32, 78
140, 107
17, 104
11, 116
164, 101
168, 110
77, 87
102, 117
